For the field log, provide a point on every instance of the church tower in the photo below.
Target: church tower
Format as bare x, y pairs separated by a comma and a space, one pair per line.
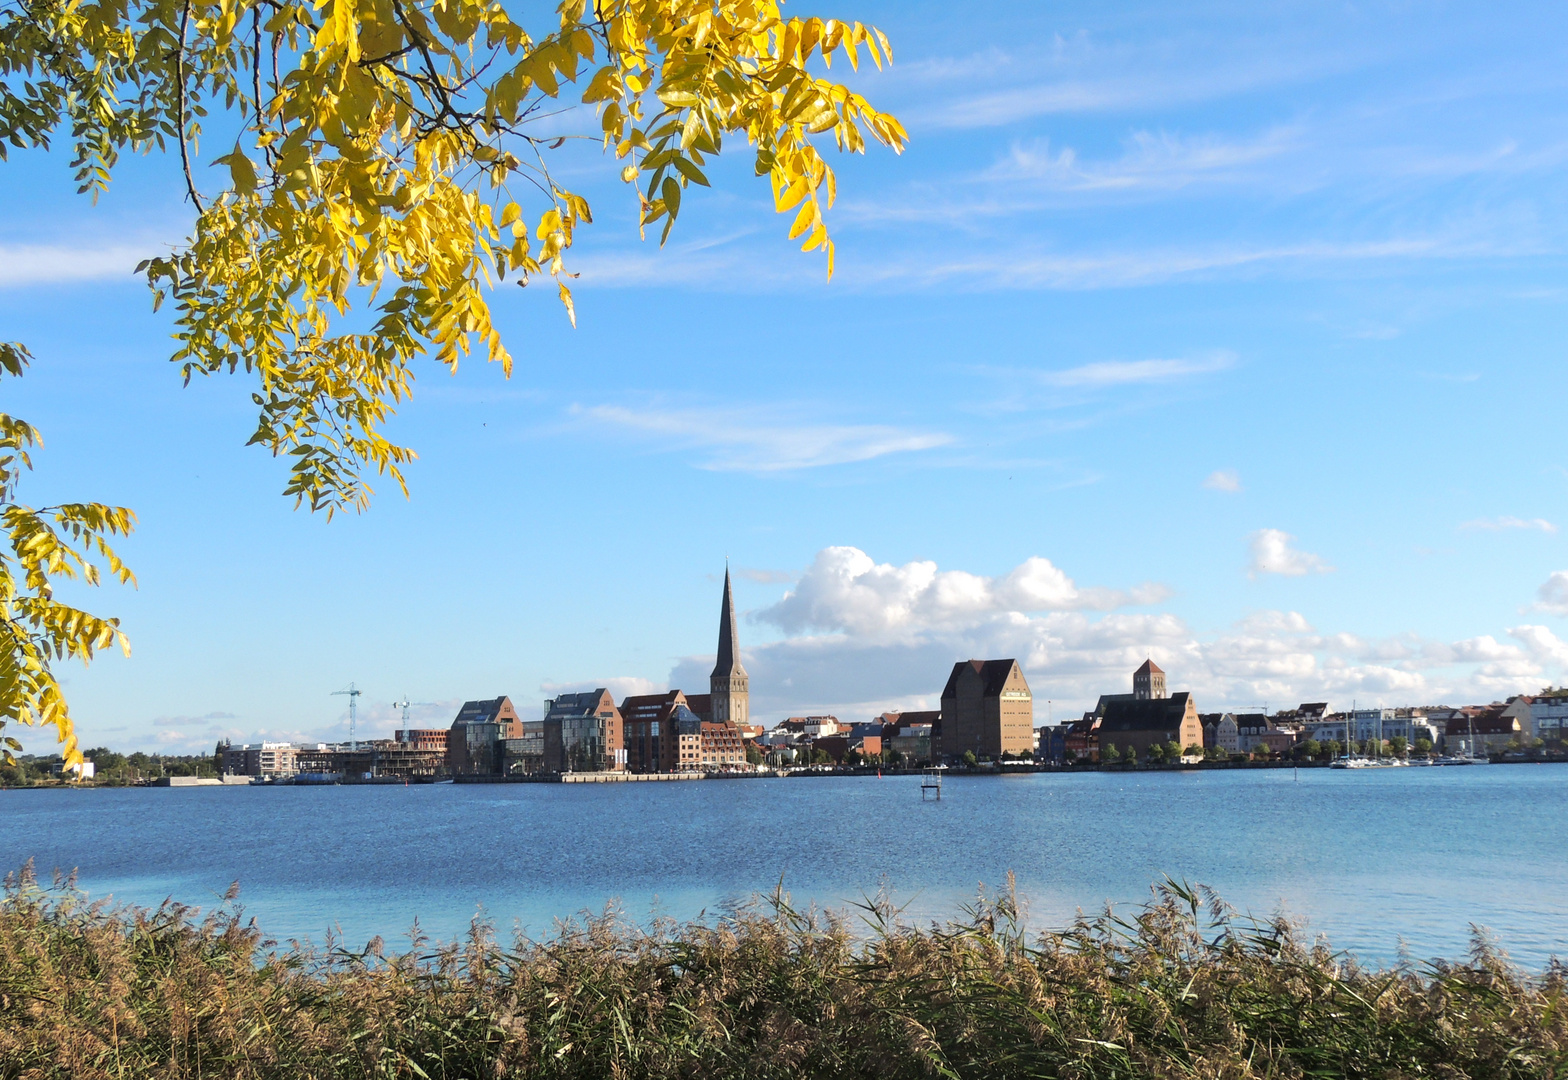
1148, 682
729, 684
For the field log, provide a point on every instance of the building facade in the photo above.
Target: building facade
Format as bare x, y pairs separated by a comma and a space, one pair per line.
473, 742
1134, 726
265, 759
583, 733
987, 709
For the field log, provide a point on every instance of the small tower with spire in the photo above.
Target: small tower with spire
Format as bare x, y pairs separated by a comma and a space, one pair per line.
729, 684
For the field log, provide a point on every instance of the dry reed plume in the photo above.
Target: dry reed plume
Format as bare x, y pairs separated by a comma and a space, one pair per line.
1184, 989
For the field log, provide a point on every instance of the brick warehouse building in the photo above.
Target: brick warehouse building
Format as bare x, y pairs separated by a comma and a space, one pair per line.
987, 708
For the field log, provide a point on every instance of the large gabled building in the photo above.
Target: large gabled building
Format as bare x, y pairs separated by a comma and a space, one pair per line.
987, 709
1138, 724
583, 733
472, 747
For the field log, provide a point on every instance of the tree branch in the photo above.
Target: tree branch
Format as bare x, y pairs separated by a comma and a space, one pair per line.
179, 106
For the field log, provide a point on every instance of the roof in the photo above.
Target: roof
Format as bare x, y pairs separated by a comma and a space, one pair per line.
728, 662
993, 675
908, 718
689, 722
1149, 714
585, 703
649, 706
482, 711
1150, 668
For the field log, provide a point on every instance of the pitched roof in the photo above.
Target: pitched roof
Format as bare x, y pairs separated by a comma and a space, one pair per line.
583, 704
1148, 714
993, 675
650, 706
728, 663
482, 711
1150, 667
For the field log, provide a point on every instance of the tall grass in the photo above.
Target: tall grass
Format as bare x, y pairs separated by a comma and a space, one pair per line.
1184, 989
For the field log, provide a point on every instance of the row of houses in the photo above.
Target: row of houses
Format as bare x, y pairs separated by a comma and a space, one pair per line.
1150, 715
986, 714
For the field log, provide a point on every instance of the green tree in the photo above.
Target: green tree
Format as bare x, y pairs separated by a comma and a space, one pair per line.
1194, 751
387, 169
1424, 747
969, 759
1109, 754
1399, 746
753, 755
1172, 752
821, 757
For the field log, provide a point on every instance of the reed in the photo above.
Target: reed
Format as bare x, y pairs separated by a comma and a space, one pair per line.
1185, 988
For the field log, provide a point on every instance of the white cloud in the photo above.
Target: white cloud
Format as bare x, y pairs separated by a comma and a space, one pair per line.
863, 636
42, 264
1228, 480
1552, 596
1501, 523
619, 686
1123, 372
844, 589
760, 441
1024, 270
1272, 554
1150, 161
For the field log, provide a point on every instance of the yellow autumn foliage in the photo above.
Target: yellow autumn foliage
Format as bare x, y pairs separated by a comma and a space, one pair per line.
388, 157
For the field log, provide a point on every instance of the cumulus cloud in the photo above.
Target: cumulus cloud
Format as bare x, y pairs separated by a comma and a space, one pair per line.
619, 686
1499, 524
1552, 596
1228, 480
862, 636
1272, 554
845, 589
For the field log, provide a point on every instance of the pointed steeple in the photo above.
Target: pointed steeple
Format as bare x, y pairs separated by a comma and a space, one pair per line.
728, 665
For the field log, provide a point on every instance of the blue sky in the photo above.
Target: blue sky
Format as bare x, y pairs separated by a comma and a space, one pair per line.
1225, 334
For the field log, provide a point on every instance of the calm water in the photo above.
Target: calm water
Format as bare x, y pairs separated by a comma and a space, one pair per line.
1368, 858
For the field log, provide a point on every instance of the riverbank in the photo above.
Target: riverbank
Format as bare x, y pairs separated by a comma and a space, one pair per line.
1183, 989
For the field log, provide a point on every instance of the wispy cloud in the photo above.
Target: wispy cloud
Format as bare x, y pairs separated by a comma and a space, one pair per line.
1123, 372
1500, 524
22, 265
761, 440
1227, 480
1018, 270
765, 577
1151, 160
1272, 554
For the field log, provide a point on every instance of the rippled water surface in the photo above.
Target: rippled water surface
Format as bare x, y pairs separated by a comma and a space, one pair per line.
1368, 858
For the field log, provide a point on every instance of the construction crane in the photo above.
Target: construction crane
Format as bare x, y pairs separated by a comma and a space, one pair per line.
404, 704
353, 693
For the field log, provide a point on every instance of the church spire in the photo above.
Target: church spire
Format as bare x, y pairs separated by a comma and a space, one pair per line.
728, 664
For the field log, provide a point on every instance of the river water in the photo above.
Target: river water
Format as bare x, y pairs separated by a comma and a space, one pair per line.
1376, 860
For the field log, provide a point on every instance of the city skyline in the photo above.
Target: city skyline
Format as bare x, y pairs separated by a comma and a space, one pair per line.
1214, 336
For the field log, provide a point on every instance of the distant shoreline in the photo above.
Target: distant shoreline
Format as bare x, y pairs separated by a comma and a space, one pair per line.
815, 773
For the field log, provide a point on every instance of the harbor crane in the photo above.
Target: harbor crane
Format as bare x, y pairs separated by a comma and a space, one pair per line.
353, 693
404, 704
